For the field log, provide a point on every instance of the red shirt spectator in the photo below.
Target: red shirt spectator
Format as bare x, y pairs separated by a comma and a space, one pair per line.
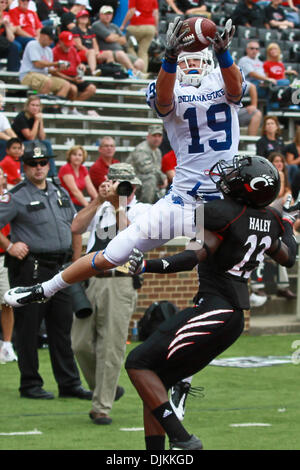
79, 180
168, 165
12, 169
27, 19
168, 161
99, 170
144, 11
71, 55
274, 69
6, 229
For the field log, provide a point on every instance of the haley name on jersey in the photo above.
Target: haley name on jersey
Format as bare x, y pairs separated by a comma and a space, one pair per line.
246, 233
202, 128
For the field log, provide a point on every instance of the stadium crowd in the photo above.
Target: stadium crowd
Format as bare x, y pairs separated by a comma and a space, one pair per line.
55, 47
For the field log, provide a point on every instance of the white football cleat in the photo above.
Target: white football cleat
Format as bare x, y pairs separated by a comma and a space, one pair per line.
19, 296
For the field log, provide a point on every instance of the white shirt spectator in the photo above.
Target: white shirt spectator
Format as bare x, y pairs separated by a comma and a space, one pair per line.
34, 51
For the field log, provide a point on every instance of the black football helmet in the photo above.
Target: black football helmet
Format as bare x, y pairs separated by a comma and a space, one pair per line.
252, 180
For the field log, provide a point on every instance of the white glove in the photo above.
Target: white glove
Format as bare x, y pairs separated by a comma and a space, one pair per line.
136, 262
291, 213
174, 44
221, 42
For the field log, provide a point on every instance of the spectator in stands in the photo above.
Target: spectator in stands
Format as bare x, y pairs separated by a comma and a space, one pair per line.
278, 160
53, 8
11, 164
81, 89
143, 25
247, 13
29, 127
188, 7
146, 161
87, 45
6, 131
250, 115
68, 19
7, 353
8, 48
38, 65
99, 169
168, 165
97, 4
27, 22
74, 177
14, 4
253, 69
109, 36
293, 12
271, 139
292, 156
273, 66
276, 17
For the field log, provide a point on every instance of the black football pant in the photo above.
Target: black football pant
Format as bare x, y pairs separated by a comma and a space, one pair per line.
189, 341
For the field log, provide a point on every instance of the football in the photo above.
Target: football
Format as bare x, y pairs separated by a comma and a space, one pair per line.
199, 28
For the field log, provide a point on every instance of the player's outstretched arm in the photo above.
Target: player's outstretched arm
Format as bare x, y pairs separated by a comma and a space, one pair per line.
195, 253
231, 73
167, 74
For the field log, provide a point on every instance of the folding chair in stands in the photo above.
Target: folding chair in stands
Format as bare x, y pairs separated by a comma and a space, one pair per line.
247, 32
219, 19
265, 35
291, 35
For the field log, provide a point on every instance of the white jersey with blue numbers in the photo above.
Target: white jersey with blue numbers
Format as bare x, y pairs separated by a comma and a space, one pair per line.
202, 128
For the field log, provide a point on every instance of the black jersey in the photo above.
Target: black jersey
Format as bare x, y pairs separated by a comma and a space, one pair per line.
246, 233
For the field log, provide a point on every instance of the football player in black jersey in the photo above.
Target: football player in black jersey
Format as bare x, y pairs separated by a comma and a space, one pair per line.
238, 231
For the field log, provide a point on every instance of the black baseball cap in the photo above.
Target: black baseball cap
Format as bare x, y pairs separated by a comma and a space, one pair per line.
49, 31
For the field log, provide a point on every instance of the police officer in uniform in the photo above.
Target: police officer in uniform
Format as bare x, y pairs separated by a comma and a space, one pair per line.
40, 214
146, 160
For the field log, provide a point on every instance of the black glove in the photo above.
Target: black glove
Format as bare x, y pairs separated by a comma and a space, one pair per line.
136, 262
221, 42
174, 43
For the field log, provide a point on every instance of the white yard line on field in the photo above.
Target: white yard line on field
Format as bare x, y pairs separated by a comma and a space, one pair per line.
21, 433
245, 425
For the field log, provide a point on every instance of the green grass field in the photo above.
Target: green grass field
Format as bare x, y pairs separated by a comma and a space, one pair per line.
265, 395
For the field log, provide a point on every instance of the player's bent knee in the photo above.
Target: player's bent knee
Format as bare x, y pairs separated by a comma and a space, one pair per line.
134, 361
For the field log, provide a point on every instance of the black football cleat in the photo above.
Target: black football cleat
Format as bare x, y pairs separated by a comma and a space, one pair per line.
19, 296
192, 444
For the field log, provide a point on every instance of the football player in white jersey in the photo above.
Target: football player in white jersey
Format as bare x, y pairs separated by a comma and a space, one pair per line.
198, 105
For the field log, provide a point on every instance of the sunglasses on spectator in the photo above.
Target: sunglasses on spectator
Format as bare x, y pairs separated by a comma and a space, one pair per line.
34, 163
256, 48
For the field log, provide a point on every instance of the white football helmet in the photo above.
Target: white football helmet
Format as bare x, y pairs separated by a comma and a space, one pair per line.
194, 76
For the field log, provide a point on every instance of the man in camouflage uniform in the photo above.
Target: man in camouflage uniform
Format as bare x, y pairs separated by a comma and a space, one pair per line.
146, 160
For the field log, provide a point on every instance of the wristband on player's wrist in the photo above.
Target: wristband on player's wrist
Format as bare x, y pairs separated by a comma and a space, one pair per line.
169, 66
225, 60
143, 267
